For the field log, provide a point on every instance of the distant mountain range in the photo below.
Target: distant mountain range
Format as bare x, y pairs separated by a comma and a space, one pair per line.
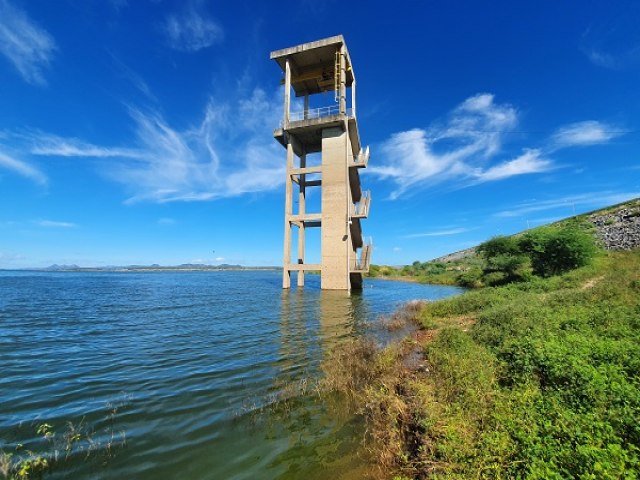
187, 267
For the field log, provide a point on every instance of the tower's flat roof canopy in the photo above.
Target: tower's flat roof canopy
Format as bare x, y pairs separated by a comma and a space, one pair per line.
313, 65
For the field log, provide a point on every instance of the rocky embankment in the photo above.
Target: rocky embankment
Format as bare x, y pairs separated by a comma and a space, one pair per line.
619, 228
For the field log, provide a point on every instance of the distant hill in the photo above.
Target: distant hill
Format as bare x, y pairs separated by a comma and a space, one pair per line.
185, 267
56, 267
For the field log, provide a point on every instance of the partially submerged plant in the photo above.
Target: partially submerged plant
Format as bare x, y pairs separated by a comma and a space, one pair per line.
56, 450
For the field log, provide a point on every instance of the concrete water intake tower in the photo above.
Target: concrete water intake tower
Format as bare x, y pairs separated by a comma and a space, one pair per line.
310, 69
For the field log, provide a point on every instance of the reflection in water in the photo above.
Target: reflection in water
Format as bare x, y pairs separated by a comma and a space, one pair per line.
312, 322
337, 314
323, 439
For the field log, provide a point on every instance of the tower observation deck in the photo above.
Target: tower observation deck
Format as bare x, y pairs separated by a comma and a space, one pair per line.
331, 130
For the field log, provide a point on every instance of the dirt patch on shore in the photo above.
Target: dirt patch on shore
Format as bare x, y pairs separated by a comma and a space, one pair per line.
591, 283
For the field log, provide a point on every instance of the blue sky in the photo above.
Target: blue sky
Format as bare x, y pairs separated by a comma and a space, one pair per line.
141, 131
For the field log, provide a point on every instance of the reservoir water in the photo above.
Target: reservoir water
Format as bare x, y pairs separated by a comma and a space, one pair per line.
190, 373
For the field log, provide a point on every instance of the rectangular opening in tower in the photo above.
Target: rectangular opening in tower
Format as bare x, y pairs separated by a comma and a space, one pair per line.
312, 246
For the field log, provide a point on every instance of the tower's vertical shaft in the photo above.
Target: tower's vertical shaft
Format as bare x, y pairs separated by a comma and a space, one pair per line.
335, 196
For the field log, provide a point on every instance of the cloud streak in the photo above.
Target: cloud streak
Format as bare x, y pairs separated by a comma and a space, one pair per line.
55, 224
529, 162
45, 144
438, 233
27, 46
192, 31
22, 168
588, 200
623, 60
585, 133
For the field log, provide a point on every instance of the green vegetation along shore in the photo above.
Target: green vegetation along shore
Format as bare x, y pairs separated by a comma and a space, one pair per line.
537, 379
536, 376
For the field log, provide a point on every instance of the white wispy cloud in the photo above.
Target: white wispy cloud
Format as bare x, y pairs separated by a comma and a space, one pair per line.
22, 168
602, 59
192, 30
585, 133
461, 148
620, 60
55, 224
224, 155
568, 203
438, 233
133, 77
46, 144
27, 46
611, 48
529, 162
466, 148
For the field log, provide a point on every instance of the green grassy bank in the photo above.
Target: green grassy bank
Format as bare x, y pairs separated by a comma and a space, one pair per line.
434, 273
538, 379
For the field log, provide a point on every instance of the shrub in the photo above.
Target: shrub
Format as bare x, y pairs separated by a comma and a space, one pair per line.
556, 250
499, 245
504, 261
470, 278
374, 270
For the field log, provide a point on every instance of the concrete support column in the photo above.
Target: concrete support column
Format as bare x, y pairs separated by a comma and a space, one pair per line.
288, 211
301, 211
306, 106
343, 81
287, 93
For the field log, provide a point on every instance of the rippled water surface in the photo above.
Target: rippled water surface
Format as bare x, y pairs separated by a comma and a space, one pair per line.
197, 364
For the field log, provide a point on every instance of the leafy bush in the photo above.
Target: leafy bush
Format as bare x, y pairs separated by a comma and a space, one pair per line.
374, 270
555, 250
504, 262
470, 279
544, 251
499, 245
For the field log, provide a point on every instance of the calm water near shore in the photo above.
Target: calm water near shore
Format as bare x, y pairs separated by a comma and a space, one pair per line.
198, 364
